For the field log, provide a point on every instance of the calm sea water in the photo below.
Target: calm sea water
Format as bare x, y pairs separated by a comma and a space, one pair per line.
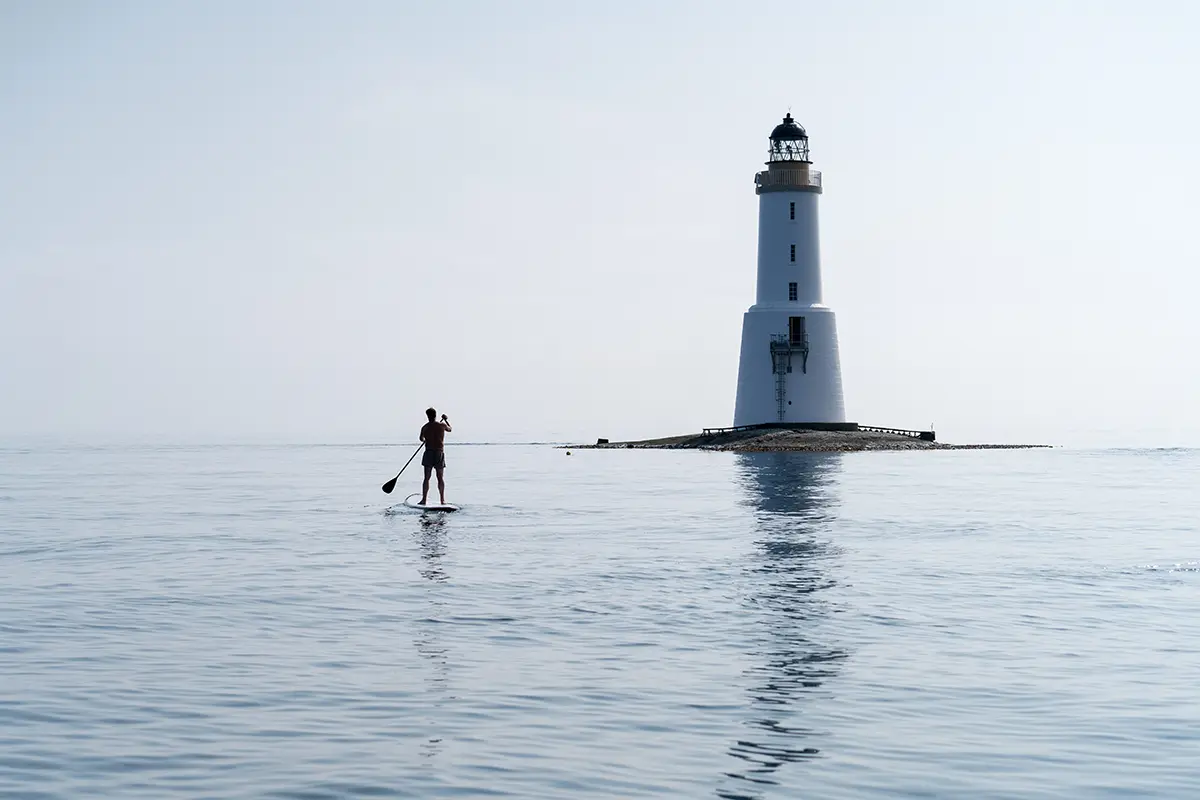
263, 622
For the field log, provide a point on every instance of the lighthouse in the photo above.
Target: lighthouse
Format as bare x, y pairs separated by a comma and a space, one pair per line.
789, 370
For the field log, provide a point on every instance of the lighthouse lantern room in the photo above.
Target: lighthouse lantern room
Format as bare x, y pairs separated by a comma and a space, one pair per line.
789, 370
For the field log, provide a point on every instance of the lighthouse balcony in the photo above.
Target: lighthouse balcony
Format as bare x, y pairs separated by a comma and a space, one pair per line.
783, 346
787, 180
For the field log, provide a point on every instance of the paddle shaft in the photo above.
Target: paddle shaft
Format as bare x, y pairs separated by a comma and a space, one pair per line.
387, 487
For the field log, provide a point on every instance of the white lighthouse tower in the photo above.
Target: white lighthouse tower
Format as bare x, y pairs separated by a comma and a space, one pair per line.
789, 370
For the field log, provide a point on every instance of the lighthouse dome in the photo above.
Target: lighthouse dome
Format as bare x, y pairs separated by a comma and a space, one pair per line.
788, 131
789, 142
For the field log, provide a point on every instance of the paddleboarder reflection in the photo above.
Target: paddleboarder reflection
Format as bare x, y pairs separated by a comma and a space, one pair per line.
427, 639
794, 644
433, 547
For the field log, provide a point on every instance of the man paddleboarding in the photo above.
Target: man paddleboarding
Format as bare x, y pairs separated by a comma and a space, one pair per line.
433, 434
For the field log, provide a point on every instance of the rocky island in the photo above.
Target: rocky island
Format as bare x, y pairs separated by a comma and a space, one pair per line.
760, 439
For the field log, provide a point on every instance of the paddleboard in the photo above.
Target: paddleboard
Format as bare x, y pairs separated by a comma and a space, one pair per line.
412, 502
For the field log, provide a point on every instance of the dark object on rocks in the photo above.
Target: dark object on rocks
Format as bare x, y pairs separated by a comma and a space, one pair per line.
602, 441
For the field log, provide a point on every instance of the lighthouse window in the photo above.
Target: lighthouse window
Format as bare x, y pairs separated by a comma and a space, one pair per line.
792, 292
793, 252
791, 210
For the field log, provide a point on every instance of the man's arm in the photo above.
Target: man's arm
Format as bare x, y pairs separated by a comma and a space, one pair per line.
422, 433
446, 423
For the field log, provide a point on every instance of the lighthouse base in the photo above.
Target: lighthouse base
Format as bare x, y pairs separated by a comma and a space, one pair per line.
789, 371
791, 426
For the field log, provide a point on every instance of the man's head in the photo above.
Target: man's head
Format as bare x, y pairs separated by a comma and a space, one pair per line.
431, 413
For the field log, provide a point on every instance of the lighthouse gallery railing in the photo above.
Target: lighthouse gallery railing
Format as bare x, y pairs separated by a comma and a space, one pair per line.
788, 177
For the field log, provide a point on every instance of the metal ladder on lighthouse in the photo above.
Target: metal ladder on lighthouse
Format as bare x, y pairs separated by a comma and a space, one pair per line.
782, 347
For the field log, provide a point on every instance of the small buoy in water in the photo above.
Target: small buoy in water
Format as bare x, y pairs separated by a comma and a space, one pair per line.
568, 452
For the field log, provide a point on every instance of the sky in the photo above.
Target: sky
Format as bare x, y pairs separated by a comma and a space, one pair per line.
307, 221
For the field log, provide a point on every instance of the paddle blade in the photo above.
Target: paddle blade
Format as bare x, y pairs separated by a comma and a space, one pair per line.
387, 487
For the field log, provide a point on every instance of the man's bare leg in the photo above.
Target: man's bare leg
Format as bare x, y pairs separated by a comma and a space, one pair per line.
441, 485
425, 485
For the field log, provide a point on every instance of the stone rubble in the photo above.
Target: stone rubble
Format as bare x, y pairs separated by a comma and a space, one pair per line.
772, 441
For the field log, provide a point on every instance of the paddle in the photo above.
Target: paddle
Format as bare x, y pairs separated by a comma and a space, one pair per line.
387, 487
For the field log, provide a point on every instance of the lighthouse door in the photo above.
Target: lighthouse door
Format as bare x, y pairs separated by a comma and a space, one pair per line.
796, 331
798, 340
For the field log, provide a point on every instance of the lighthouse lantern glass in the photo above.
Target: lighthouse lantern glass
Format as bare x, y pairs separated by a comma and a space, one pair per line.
789, 150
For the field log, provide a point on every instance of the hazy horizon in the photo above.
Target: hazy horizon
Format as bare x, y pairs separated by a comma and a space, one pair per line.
307, 222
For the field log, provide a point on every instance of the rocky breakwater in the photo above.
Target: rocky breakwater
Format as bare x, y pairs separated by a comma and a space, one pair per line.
772, 441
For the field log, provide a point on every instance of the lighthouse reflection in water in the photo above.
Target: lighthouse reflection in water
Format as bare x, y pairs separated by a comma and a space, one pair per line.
794, 649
